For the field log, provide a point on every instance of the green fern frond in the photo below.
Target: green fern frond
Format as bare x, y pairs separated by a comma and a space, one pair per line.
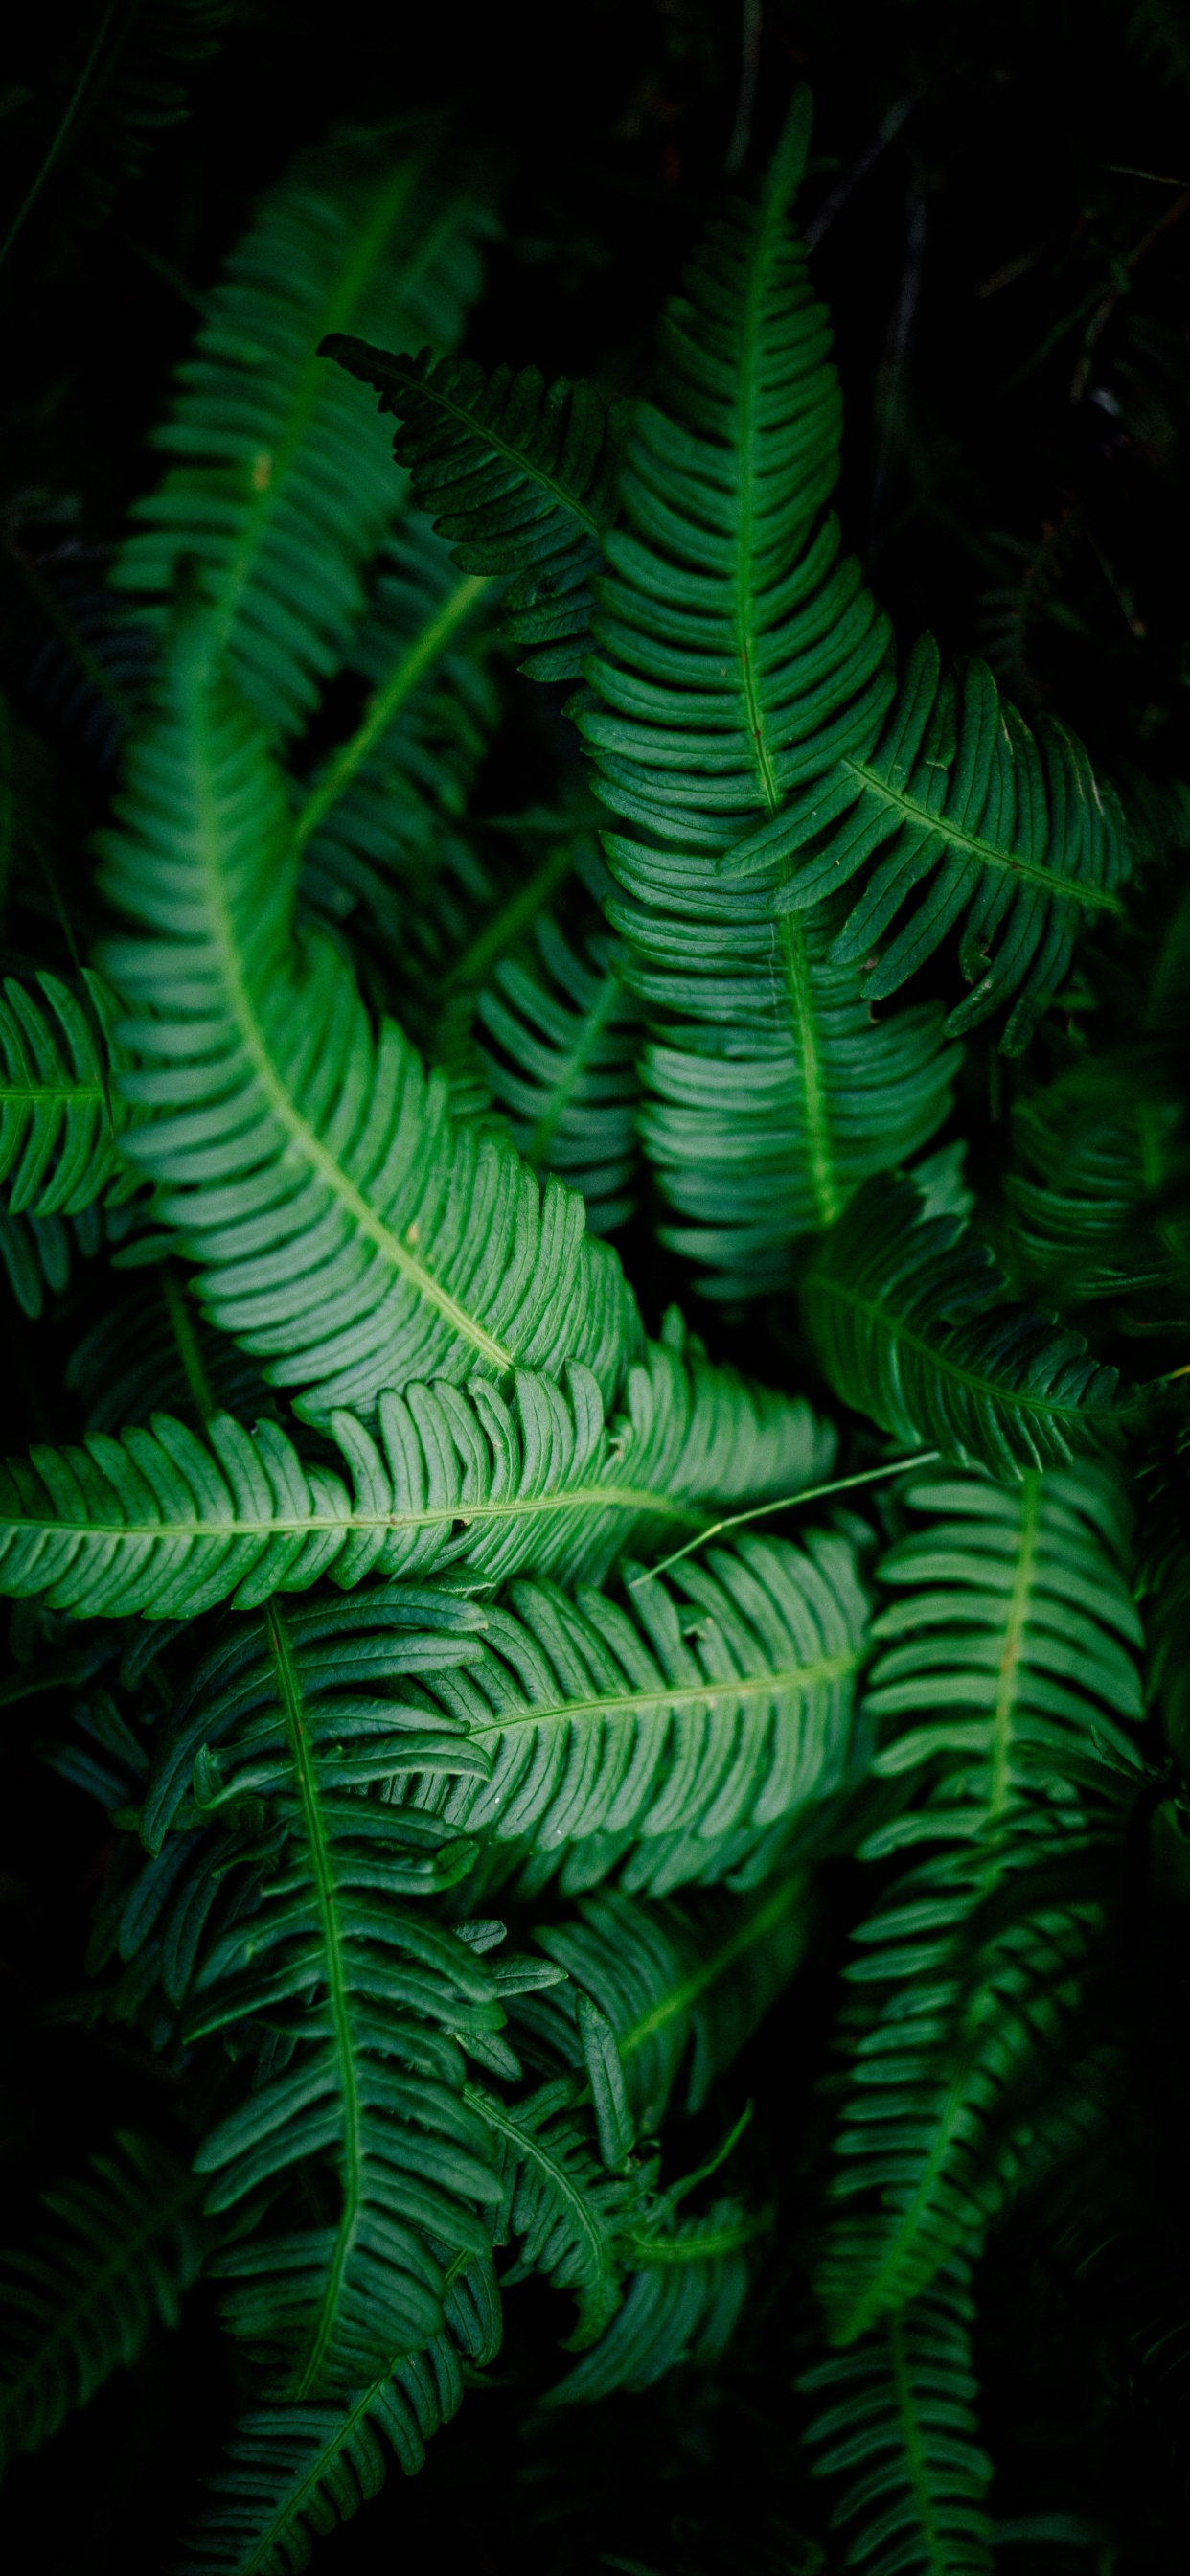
58, 1151
558, 2200
165, 1524
1098, 1193
718, 1705
900, 2424
283, 486
518, 476
1007, 1667
295, 2472
358, 2097
568, 1037
347, 1232
153, 1351
908, 1316
682, 2306
79, 2303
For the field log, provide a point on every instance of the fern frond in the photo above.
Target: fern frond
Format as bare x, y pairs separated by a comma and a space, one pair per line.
900, 2423
558, 2200
58, 1151
1098, 1192
719, 1704
566, 1071
1008, 1669
154, 1352
165, 1524
358, 2099
282, 486
79, 2303
346, 1231
908, 1316
518, 476
295, 2472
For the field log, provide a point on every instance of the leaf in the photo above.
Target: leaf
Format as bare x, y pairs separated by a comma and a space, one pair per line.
681, 2307
58, 1151
605, 2074
1006, 1668
672, 1725
1097, 1195
561, 2204
165, 1524
282, 487
907, 1315
568, 1036
278, 1119
79, 2303
901, 2428
519, 478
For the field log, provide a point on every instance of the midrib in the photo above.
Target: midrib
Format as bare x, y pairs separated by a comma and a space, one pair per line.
289, 1118
914, 2448
289, 1691
533, 2152
39, 1095
388, 699
989, 853
574, 1067
580, 1498
799, 989
672, 1695
679, 1998
902, 1333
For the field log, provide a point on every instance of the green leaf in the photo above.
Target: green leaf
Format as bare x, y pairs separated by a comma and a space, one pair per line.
58, 1150
568, 1035
79, 2303
347, 1232
282, 486
518, 477
899, 2425
165, 1524
681, 2306
908, 1317
605, 2074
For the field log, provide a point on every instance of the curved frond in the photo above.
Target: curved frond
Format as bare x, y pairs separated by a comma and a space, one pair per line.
166, 1524
357, 2102
682, 2305
717, 1704
294, 2472
909, 1319
518, 476
79, 2303
899, 2420
58, 1151
1007, 1669
558, 2200
347, 1231
568, 1037
282, 484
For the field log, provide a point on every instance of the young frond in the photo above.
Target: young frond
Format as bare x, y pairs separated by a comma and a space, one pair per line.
58, 1151
1007, 1669
356, 1991
908, 1315
518, 476
347, 1231
715, 1705
166, 1524
80, 2301
568, 1037
294, 2472
899, 2422
282, 484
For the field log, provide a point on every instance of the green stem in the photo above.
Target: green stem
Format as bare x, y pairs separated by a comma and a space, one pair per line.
915, 2457
507, 924
786, 1503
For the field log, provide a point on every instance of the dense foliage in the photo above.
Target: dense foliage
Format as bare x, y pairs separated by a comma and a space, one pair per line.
594, 1241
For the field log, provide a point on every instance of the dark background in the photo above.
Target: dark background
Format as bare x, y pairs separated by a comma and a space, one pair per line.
1003, 199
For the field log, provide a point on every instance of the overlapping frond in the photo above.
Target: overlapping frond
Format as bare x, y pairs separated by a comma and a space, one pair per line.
1098, 1192
294, 2472
1007, 1669
166, 1524
900, 2425
58, 1150
283, 485
346, 1230
715, 1705
567, 1037
908, 1315
682, 2304
357, 2102
518, 476
80, 2301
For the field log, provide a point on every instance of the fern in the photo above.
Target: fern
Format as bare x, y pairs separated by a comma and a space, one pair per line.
360, 1990
294, 2472
566, 1071
278, 1116
671, 1725
1007, 1662
906, 1312
80, 2302
58, 1149
282, 489
900, 2425
1096, 1194
162, 1523
518, 476
682, 2306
